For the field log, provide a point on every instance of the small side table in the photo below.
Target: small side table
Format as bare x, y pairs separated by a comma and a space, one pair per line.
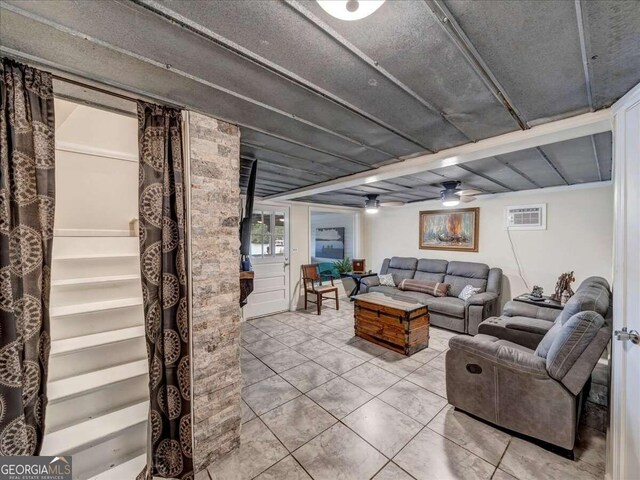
546, 302
357, 277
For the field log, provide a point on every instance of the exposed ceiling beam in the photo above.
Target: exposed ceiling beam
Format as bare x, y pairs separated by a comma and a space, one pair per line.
284, 184
482, 175
551, 164
247, 54
293, 157
552, 132
584, 51
517, 171
448, 22
270, 164
595, 156
301, 144
369, 61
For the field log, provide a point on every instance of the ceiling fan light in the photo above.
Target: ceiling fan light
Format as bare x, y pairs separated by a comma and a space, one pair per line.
371, 205
350, 9
450, 199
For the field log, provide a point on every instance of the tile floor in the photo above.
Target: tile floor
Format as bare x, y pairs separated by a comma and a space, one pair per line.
320, 403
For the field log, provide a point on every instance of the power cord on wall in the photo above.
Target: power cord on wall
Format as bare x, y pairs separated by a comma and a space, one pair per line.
515, 256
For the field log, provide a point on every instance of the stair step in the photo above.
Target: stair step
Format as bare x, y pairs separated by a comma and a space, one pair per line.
79, 384
96, 256
93, 280
73, 344
129, 469
92, 432
95, 306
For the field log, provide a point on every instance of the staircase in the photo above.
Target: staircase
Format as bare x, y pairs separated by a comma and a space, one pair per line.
98, 374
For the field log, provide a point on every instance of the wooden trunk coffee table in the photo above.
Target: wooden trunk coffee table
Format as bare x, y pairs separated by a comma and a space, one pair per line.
397, 323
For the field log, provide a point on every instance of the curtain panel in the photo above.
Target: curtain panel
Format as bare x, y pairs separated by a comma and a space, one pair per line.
164, 289
27, 201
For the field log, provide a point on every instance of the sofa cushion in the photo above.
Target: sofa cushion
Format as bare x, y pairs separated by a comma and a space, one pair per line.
458, 284
382, 289
592, 295
497, 327
527, 324
572, 339
429, 277
432, 265
468, 292
387, 280
403, 263
542, 350
436, 289
468, 269
447, 305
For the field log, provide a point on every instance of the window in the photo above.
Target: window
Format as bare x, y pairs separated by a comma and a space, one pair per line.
267, 234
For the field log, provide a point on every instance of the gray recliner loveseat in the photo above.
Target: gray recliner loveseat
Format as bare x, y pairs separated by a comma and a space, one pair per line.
534, 392
448, 312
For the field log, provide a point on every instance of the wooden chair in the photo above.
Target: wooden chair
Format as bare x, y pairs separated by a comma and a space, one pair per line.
311, 276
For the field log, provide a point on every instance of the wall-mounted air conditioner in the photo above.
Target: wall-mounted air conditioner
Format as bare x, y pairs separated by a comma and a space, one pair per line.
526, 217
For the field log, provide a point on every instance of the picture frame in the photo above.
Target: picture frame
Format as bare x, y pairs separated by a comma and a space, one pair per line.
451, 229
330, 243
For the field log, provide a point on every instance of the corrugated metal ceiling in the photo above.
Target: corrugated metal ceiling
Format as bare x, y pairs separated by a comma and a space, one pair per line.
318, 98
571, 162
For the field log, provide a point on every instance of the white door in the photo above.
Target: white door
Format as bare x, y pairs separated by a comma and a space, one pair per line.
625, 416
270, 259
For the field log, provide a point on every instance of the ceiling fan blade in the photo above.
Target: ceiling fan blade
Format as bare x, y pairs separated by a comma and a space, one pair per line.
392, 204
466, 198
468, 192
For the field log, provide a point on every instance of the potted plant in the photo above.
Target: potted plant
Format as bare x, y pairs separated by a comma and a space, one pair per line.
343, 267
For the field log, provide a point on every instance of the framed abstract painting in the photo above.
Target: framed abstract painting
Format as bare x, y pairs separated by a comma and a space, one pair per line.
456, 230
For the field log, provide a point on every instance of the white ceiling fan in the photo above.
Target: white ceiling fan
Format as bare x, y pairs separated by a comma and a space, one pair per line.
372, 204
452, 194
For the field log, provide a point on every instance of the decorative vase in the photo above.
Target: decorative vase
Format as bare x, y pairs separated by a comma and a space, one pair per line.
565, 297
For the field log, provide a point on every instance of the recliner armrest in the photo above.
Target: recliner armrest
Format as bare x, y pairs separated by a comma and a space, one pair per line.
370, 281
514, 308
490, 348
482, 298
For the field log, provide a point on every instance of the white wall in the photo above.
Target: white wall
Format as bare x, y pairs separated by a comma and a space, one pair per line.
96, 171
326, 219
579, 236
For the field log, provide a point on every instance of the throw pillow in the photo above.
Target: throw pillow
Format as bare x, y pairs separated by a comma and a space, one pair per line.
387, 280
468, 291
436, 289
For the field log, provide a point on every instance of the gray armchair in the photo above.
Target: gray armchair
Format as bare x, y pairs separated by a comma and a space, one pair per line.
526, 324
533, 392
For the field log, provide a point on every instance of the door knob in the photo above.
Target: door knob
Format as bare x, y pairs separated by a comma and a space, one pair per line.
623, 335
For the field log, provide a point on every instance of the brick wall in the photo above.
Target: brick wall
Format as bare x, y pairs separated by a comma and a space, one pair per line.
214, 151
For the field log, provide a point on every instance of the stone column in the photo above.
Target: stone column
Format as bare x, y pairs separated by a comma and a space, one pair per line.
214, 164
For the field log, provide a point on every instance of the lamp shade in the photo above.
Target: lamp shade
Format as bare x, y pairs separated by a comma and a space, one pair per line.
350, 9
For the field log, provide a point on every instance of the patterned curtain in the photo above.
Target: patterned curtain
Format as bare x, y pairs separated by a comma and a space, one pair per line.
164, 288
27, 200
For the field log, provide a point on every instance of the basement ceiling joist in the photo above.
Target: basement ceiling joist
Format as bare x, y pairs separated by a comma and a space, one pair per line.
575, 159
340, 98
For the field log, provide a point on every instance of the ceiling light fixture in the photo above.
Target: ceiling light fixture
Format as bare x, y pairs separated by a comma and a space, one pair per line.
350, 9
449, 198
371, 205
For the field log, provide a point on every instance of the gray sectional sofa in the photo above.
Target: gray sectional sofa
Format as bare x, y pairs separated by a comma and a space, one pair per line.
498, 376
450, 311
